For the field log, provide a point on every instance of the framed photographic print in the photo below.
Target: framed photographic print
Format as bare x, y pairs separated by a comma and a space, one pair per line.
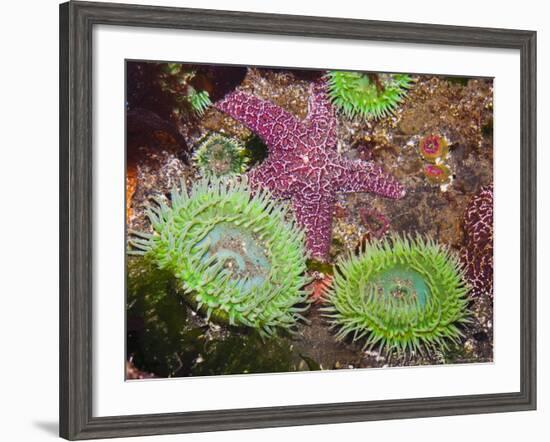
272, 220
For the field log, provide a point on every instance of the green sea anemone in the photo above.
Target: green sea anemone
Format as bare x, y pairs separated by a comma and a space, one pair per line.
239, 259
176, 79
367, 95
400, 295
198, 100
218, 155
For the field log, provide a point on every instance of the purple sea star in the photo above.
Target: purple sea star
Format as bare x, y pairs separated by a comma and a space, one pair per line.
477, 253
303, 164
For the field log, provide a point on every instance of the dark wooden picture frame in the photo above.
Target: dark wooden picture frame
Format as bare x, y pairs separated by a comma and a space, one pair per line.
77, 20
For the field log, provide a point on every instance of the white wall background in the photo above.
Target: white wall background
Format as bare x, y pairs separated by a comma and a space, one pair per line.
29, 221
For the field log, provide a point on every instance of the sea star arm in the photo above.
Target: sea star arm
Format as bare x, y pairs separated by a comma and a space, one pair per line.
270, 175
314, 213
270, 122
321, 118
362, 176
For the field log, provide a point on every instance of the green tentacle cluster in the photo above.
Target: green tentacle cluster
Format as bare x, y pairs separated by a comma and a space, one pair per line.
218, 155
367, 96
400, 295
199, 101
177, 79
240, 261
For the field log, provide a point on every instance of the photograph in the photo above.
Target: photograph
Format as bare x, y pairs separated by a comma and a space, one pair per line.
276, 221
281, 219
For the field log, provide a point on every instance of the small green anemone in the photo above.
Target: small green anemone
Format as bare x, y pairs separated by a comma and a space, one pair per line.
365, 95
218, 155
400, 295
199, 101
238, 257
